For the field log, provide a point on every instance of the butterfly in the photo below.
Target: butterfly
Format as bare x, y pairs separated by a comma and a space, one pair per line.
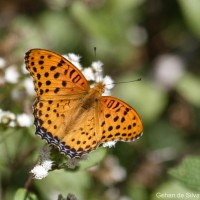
69, 113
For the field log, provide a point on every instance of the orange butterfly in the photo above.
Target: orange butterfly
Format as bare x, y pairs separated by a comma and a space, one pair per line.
70, 114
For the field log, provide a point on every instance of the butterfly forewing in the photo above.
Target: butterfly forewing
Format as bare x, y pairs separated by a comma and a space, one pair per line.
54, 75
118, 121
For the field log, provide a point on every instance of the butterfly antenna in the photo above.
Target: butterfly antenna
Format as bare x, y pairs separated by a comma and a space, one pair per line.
98, 70
95, 53
139, 79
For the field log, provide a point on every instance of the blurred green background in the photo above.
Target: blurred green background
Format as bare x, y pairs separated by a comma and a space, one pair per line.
156, 40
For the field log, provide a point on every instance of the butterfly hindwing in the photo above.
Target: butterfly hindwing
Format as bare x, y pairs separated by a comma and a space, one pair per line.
50, 117
68, 125
82, 137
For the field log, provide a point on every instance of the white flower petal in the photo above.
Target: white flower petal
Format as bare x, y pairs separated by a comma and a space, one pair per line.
11, 74
24, 120
88, 73
74, 59
23, 69
168, 70
2, 63
109, 144
39, 172
6, 116
47, 164
108, 82
12, 123
97, 66
28, 84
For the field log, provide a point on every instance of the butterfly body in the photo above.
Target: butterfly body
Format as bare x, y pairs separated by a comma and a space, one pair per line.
70, 114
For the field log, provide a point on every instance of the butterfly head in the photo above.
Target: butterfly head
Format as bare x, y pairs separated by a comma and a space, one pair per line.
100, 88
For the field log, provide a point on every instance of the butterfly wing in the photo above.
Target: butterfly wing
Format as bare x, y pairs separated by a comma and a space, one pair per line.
118, 121
60, 87
72, 133
54, 76
83, 137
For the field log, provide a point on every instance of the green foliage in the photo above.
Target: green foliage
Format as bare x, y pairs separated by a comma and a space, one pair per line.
188, 86
93, 160
188, 172
157, 41
191, 13
174, 190
23, 194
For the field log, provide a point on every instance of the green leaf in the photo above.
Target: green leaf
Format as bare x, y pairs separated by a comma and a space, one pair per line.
93, 158
173, 190
22, 194
163, 136
188, 172
65, 182
137, 191
189, 86
190, 10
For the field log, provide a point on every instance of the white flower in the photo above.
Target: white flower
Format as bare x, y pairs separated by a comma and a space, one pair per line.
23, 69
45, 157
28, 84
97, 66
168, 70
74, 59
6, 116
108, 82
11, 74
97, 70
12, 124
47, 164
2, 63
24, 120
109, 144
88, 73
118, 173
39, 172
111, 171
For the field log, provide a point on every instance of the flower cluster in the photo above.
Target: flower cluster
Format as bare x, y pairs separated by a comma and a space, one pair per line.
12, 120
93, 73
40, 171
